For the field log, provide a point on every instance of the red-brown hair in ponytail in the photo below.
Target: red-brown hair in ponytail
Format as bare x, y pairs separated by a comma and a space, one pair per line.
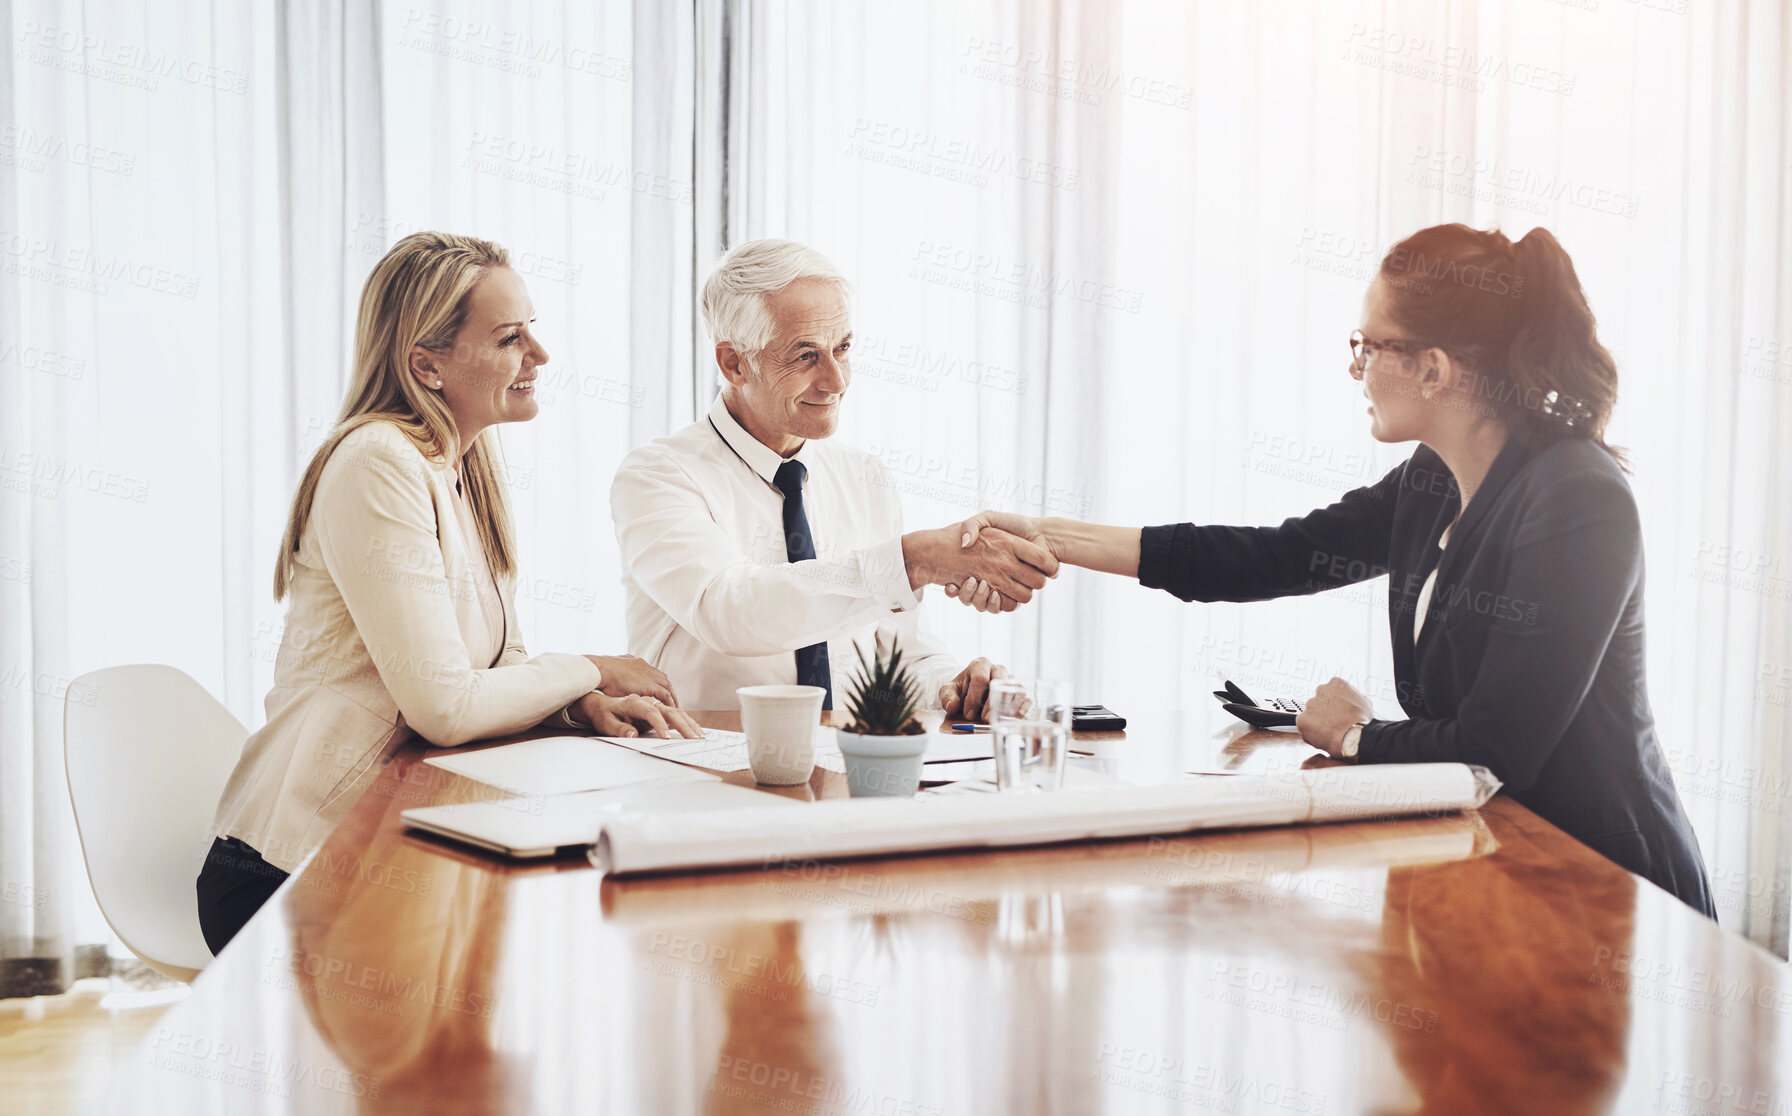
1515, 314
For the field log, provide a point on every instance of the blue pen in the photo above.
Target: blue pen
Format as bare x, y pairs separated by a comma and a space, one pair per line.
970, 728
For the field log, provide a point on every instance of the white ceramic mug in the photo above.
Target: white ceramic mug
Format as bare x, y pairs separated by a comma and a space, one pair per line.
780, 723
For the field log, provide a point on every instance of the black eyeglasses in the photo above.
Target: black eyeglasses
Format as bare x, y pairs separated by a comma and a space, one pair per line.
1361, 347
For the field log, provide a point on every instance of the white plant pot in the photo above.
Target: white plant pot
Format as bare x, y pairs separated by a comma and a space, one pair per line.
883, 766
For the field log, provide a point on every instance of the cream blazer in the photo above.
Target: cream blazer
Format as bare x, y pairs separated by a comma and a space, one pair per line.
380, 616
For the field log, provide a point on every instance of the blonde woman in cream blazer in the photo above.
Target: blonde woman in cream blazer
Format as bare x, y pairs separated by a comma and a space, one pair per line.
398, 569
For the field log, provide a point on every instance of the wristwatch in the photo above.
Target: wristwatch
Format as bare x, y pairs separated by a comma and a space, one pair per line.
1353, 736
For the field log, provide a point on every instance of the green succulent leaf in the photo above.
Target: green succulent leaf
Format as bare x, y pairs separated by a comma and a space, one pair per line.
882, 695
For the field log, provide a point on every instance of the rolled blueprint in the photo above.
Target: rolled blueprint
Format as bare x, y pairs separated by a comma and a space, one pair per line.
1227, 862
858, 827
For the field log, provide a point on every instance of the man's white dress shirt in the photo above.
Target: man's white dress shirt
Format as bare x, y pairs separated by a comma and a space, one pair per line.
713, 599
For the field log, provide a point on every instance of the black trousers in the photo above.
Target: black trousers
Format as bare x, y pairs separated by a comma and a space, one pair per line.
233, 885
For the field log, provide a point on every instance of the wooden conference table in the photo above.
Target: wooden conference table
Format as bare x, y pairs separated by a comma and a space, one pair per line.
1482, 962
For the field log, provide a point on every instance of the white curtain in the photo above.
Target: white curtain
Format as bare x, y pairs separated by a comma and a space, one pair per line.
1107, 257
192, 198
139, 324
563, 133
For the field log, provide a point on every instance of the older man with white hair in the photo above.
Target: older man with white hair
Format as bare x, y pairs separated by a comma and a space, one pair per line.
756, 550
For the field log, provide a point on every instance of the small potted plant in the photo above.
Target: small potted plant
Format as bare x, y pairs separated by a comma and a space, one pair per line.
884, 743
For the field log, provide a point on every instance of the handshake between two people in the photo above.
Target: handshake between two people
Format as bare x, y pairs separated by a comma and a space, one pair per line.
993, 561
997, 560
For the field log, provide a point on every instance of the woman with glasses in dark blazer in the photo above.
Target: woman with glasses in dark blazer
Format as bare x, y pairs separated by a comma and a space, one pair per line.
1510, 540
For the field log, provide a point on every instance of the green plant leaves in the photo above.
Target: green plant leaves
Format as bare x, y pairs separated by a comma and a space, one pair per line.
882, 695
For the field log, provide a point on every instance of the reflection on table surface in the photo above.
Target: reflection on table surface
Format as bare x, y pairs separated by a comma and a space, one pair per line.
1473, 962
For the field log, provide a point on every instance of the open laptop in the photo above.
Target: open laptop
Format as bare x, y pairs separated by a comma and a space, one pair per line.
540, 826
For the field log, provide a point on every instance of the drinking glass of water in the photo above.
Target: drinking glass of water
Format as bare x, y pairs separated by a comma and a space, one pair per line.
1030, 724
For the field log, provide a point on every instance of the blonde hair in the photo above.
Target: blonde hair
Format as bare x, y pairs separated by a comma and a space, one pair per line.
417, 295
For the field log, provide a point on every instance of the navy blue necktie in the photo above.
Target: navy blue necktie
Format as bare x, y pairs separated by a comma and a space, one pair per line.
812, 661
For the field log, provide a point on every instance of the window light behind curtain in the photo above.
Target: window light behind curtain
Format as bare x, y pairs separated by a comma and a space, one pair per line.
320, 134
1106, 257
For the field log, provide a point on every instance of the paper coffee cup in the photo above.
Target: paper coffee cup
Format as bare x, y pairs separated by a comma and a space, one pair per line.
779, 723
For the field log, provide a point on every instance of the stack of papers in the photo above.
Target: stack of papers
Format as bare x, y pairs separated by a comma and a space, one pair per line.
572, 764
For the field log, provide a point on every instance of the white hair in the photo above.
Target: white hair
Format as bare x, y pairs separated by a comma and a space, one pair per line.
734, 296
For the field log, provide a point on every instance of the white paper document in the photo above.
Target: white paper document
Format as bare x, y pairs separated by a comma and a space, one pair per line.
1076, 775
722, 750
562, 765
946, 747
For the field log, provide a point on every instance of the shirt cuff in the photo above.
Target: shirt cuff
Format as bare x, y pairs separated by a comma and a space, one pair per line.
1155, 545
886, 576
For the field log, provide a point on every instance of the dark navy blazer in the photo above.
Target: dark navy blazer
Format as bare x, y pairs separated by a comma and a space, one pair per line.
1530, 661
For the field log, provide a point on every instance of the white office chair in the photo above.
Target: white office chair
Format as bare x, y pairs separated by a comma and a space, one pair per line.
147, 752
